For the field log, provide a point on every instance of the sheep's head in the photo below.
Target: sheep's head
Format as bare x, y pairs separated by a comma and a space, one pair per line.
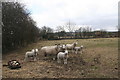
81, 46
66, 51
75, 43
36, 51
59, 48
64, 46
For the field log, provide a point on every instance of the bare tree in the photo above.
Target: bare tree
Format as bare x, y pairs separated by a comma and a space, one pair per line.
60, 28
85, 32
46, 32
70, 26
60, 31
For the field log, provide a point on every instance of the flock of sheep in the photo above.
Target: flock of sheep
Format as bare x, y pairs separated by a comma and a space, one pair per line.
59, 51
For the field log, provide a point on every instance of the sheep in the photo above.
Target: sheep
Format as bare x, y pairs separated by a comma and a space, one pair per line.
30, 54
71, 46
78, 49
50, 50
62, 55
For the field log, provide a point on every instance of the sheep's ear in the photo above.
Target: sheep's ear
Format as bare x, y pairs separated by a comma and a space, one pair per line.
55, 44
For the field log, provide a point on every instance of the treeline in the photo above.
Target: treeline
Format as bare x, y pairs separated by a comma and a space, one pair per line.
18, 28
81, 33
86, 32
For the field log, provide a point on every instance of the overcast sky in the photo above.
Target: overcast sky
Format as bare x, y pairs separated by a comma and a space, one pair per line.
99, 14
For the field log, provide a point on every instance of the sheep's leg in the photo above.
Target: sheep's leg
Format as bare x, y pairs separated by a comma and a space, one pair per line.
58, 60
72, 51
55, 57
65, 61
45, 54
26, 58
81, 52
76, 51
35, 59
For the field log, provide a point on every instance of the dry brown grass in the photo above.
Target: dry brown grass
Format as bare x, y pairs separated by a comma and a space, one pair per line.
100, 59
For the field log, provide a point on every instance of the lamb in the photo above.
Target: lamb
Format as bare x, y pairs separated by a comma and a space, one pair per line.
71, 46
78, 49
62, 55
50, 50
30, 54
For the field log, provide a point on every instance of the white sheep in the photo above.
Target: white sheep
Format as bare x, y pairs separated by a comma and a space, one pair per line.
32, 54
78, 49
62, 55
71, 46
50, 50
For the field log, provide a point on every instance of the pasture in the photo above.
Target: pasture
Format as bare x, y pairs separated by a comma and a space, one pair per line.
99, 60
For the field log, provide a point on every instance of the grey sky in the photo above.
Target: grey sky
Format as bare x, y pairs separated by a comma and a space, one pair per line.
99, 14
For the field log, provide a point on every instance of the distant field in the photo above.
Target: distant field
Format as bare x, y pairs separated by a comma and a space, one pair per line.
99, 59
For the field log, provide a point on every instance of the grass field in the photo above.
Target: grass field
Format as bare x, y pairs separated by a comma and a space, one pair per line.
99, 60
